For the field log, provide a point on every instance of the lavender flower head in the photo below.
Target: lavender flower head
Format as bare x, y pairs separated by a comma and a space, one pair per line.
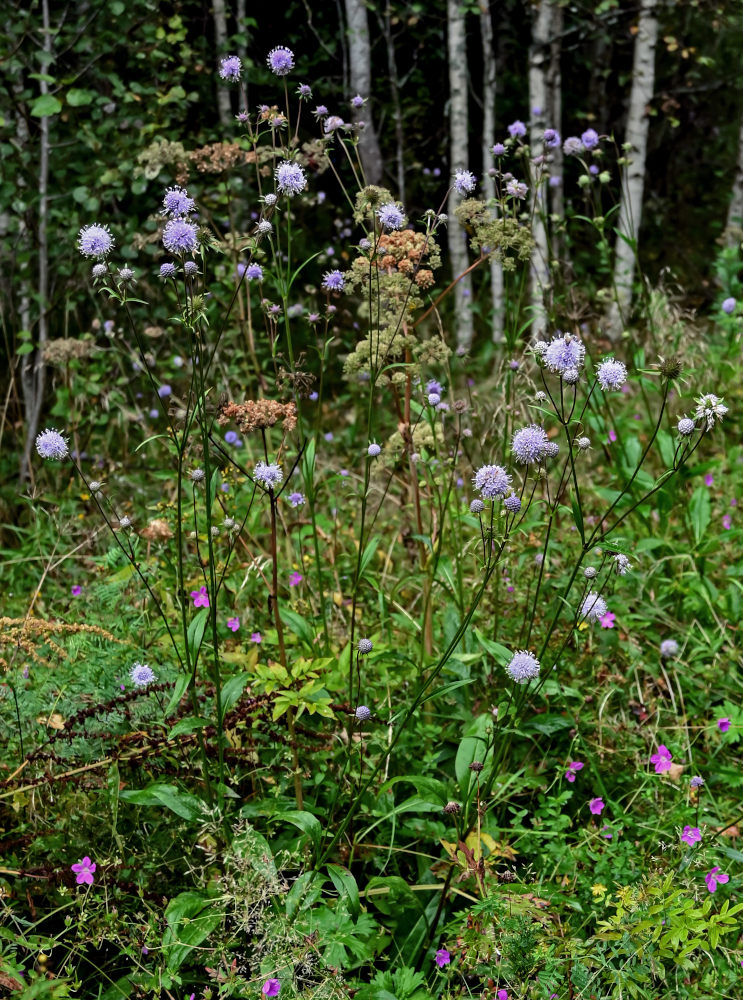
296, 499
390, 216
551, 449
711, 408
697, 781
477, 507
269, 476
492, 481
254, 272
611, 374
99, 271
365, 646
264, 227
622, 565
685, 426
593, 607
551, 138
51, 444
516, 189
190, 268
373, 450
280, 60
563, 353
517, 129
95, 241
590, 139
332, 124
304, 92
177, 203
512, 503
523, 667
498, 149
167, 270
358, 101
142, 675
669, 648
571, 376
333, 281
230, 68
572, 146
728, 306
363, 713
180, 236
464, 182
290, 178
528, 444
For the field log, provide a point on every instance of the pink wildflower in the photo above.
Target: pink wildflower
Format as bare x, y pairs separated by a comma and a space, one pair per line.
662, 759
256, 637
596, 806
573, 767
607, 620
691, 835
77, 590
84, 871
442, 958
271, 988
723, 724
713, 879
295, 579
200, 598
233, 623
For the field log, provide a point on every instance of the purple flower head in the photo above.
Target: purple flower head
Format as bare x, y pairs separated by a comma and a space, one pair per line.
590, 139
528, 444
498, 149
607, 620
492, 481
573, 767
572, 146
563, 353
281, 62
442, 958
295, 579
728, 306
710, 407
290, 178
611, 374
190, 268
433, 398
95, 241
363, 713
230, 68
593, 607
691, 835
167, 270
180, 236
685, 426
433, 385
256, 637
512, 503
390, 216
517, 129
269, 476
662, 759
373, 450
99, 271
365, 646
524, 666
358, 101
233, 624
713, 879
333, 281
200, 598
271, 987
254, 272
51, 444
723, 724
164, 391
320, 111
596, 806
304, 92
141, 675
76, 590
177, 203
296, 499
551, 138
516, 189
84, 870
464, 182
332, 124
697, 781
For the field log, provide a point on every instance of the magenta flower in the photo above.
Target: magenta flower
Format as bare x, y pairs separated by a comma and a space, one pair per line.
77, 590
596, 806
713, 879
691, 835
573, 767
502, 994
442, 958
607, 620
662, 759
84, 871
727, 522
709, 479
271, 988
723, 724
233, 623
256, 637
200, 598
612, 435
295, 579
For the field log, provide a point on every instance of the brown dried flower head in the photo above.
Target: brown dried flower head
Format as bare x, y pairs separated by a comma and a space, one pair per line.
258, 414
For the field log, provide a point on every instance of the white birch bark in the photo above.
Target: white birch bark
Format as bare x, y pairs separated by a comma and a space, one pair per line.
556, 191
735, 211
633, 172
359, 54
224, 105
488, 138
539, 103
458, 160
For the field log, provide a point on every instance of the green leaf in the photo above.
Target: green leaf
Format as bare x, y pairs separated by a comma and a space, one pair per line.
76, 98
232, 692
699, 512
298, 626
196, 632
578, 518
346, 886
183, 804
189, 725
305, 822
368, 554
191, 919
473, 746
45, 105
180, 689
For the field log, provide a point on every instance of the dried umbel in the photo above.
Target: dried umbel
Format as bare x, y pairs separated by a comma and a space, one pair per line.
259, 414
59, 352
218, 157
158, 530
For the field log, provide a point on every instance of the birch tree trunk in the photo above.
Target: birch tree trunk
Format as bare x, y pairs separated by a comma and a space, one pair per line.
488, 138
224, 105
386, 23
33, 370
539, 102
735, 211
359, 53
633, 172
556, 191
458, 160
